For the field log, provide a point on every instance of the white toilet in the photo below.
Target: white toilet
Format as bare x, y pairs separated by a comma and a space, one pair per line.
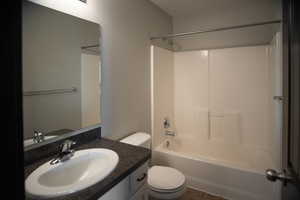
163, 182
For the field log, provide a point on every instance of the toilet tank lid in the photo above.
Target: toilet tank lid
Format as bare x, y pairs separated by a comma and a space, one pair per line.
136, 138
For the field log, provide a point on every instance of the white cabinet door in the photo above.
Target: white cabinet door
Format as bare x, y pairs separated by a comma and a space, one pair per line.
138, 178
133, 187
120, 192
141, 194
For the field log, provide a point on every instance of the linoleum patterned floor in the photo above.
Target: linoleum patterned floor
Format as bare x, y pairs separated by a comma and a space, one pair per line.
192, 194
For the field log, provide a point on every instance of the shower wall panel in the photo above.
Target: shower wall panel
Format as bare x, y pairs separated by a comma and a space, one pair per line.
191, 94
223, 95
162, 92
239, 94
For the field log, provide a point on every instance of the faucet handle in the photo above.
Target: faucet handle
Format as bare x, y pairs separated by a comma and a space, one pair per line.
66, 152
38, 136
166, 123
67, 145
37, 133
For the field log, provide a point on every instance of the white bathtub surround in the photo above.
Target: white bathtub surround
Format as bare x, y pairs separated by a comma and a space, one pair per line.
225, 119
232, 85
233, 156
229, 178
221, 96
225, 124
162, 92
239, 82
191, 94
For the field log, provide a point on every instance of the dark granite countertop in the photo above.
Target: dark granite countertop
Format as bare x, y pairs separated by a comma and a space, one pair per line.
130, 158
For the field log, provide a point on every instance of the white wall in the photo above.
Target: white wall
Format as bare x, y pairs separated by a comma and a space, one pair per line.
90, 89
126, 28
163, 92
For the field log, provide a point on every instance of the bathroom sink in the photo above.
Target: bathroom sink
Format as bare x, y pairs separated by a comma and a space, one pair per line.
30, 141
84, 169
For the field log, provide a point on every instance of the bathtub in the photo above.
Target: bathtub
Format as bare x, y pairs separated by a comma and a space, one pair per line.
234, 171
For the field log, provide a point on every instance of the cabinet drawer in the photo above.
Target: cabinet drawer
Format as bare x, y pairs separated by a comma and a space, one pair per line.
138, 178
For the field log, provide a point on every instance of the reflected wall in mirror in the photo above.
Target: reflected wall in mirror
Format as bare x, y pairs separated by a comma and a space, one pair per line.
61, 73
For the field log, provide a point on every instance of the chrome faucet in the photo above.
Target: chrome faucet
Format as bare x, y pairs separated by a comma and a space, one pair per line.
66, 152
38, 137
167, 125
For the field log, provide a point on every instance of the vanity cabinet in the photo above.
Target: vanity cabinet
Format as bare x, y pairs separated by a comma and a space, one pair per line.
133, 187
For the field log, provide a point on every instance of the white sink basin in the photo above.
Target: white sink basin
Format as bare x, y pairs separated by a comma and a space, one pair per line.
84, 169
30, 141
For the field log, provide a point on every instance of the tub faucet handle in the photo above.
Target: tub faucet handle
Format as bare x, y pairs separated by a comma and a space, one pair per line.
166, 123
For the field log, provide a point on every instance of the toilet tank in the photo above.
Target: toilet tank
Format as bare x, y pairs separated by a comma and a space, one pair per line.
138, 139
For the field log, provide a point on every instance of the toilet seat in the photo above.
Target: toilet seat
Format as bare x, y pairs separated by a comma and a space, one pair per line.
165, 179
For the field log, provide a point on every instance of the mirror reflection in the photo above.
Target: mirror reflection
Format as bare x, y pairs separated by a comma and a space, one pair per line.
61, 73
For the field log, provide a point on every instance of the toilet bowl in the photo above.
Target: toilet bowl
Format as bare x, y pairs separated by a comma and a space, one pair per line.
163, 182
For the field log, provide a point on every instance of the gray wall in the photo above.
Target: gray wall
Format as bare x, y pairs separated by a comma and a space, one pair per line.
52, 60
126, 28
224, 15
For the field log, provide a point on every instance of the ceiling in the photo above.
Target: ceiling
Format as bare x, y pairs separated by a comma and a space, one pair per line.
179, 8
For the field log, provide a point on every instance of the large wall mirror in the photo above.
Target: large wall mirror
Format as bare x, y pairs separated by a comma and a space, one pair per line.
61, 74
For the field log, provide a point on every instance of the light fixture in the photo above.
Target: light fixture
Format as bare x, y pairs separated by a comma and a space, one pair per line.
84, 1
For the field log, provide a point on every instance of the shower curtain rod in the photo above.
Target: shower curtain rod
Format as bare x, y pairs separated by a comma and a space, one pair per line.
90, 46
214, 30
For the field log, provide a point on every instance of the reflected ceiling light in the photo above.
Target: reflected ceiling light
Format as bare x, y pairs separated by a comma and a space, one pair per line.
204, 53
